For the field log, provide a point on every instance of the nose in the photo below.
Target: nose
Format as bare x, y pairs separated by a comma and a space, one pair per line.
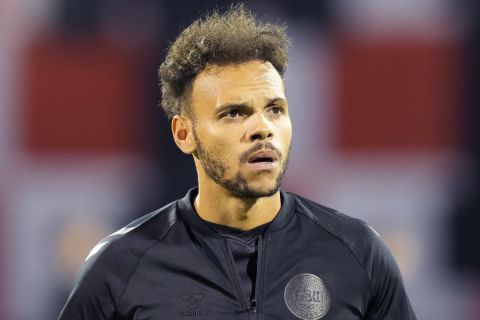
261, 129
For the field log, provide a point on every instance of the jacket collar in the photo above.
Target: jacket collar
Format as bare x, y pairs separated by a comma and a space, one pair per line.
189, 214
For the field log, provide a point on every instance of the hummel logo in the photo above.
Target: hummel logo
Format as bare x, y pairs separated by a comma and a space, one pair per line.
192, 300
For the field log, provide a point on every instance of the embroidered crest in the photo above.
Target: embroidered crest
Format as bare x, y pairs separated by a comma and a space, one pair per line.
307, 297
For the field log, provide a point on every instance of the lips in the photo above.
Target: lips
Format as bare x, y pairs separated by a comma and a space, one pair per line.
263, 156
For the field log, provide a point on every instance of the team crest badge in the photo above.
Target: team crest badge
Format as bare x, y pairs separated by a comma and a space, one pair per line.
307, 297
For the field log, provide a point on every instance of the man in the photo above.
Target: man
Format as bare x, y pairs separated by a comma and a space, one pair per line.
236, 247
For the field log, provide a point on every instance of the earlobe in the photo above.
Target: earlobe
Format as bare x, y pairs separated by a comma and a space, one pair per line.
182, 134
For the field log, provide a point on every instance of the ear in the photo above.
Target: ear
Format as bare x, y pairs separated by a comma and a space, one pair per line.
182, 134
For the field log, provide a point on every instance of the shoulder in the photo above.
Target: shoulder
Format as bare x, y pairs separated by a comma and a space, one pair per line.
346, 228
106, 271
115, 257
130, 242
360, 238
388, 299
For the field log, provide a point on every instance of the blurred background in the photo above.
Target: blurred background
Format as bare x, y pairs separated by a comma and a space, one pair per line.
385, 104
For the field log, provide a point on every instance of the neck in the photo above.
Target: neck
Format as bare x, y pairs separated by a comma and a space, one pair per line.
215, 204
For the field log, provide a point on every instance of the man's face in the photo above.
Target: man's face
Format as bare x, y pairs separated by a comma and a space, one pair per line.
242, 128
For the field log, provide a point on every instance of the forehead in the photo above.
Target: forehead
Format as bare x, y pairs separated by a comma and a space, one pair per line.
256, 79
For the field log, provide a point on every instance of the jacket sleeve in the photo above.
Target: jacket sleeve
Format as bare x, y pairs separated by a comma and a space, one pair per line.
95, 290
388, 298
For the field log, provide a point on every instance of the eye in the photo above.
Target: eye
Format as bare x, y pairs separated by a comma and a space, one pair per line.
232, 113
276, 109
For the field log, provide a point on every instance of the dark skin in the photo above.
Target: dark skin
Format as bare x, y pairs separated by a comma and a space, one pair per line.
240, 141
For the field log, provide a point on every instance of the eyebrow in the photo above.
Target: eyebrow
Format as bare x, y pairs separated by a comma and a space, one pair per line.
244, 106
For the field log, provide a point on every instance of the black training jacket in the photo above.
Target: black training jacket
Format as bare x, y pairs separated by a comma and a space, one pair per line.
313, 263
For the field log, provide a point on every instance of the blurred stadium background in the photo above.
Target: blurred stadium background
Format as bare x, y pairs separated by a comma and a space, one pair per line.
385, 102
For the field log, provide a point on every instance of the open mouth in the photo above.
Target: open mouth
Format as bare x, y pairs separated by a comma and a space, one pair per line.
266, 156
257, 160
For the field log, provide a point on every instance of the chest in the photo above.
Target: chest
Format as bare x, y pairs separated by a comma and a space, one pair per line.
298, 276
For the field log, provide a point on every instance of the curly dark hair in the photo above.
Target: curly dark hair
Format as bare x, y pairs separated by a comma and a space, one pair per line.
231, 37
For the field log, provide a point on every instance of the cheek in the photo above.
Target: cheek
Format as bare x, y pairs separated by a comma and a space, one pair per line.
223, 137
220, 144
286, 134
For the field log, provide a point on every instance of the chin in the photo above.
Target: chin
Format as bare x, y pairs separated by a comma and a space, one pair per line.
257, 187
256, 192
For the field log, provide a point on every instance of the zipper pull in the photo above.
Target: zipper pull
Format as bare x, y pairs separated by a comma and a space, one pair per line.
253, 306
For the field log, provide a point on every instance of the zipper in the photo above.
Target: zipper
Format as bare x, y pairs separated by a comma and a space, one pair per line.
252, 307
254, 303
236, 277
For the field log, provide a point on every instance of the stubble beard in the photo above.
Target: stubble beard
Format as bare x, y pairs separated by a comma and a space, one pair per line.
216, 169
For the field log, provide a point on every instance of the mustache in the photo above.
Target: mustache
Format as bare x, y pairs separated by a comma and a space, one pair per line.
260, 146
